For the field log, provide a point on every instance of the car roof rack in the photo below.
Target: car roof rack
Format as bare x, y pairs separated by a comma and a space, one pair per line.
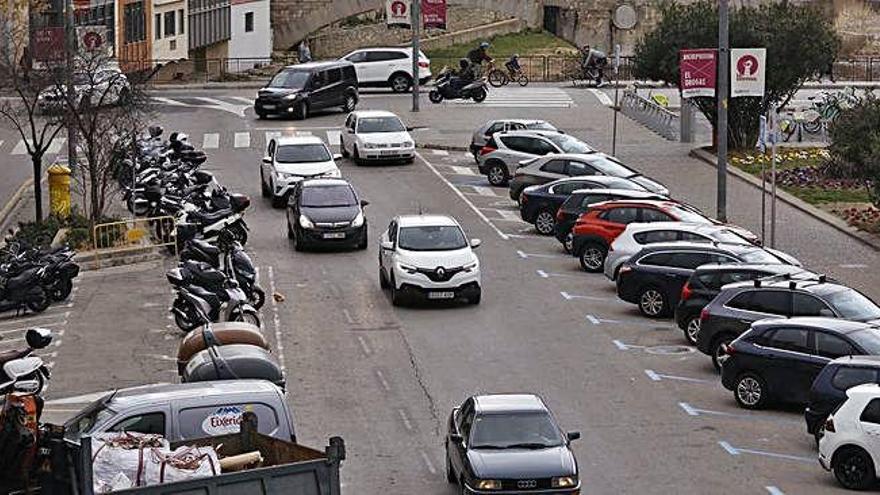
805, 276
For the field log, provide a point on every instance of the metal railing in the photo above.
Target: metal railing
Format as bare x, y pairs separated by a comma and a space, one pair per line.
653, 116
134, 235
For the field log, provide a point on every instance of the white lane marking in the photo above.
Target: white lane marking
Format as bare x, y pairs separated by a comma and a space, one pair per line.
774, 491
602, 97
20, 148
383, 381
696, 411
853, 265
524, 255
364, 346
463, 197
162, 357
276, 320
543, 274
625, 347
403, 417
242, 140
168, 101
739, 451
440, 152
593, 319
56, 145
27, 321
653, 375
226, 107
334, 137
348, 317
510, 216
211, 141
428, 463
569, 296
1, 142
270, 135
457, 170
484, 191
242, 99
23, 329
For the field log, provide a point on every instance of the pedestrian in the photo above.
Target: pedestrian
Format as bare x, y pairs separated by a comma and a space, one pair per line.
830, 70
305, 54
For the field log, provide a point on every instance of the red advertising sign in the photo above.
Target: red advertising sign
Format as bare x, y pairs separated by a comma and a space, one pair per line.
47, 44
697, 72
434, 13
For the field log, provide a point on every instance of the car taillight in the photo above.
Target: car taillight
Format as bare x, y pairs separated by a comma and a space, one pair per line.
485, 150
829, 425
704, 314
423, 64
523, 199
624, 269
686, 291
728, 349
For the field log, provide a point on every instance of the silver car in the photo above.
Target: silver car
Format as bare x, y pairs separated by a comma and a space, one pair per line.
637, 235
599, 164
484, 133
505, 151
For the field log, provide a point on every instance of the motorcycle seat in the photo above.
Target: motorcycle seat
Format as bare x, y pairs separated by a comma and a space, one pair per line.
206, 247
24, 278
205, 275
6, 356
206, 218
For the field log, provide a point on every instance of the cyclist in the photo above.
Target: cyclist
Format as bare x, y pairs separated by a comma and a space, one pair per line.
512, 65
479, 55
594, 59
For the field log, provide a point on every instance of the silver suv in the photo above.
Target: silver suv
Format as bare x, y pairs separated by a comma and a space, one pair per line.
504, 152
484, 133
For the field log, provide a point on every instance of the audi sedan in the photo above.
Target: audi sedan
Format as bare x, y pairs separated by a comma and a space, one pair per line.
509, 444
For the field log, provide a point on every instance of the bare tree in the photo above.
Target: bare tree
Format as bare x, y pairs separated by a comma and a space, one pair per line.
18, 78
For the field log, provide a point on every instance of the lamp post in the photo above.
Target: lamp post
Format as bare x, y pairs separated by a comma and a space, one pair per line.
416, 42
723, 90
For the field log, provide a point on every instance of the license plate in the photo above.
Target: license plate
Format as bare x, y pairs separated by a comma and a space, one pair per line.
334, 235
441, 295
387, 152
269, 107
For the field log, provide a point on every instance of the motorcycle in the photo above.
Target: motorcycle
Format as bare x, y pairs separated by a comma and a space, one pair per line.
210, 224
451, 87
20, 362
23, 290
235, 261
195, 305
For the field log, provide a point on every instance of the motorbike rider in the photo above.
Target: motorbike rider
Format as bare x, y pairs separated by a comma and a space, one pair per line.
512, 65
594, 59
479, 55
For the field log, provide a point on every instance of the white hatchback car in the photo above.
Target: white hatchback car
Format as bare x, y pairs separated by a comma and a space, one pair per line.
429, 256
291, 159
850, 443
377, 136
390, 67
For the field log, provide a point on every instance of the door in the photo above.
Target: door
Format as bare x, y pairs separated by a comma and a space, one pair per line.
359, 59
268, 168
335, 87
754, 305
386, 255
789, 364
679, 271
318, 90
549, 171
348, 133
458, 451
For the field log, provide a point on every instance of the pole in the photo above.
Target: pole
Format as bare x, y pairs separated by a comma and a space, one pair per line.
416, 43
69, 51
721, 126
616, 90
773, 180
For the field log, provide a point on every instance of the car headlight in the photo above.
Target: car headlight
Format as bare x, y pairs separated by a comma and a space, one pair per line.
470, 266
283, 175
408, 144
291, 97
488, 484
563, 482
305, 222
335, 174
370, 145
407, 268
358, 220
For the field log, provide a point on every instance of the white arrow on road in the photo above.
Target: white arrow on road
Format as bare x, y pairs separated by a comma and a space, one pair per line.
569, 297
537, 255
695, 411
739, 451
653, 375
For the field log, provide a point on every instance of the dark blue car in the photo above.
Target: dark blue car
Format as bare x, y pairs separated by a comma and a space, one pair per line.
829, 388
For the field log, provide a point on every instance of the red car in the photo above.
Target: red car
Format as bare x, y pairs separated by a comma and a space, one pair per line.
596, 229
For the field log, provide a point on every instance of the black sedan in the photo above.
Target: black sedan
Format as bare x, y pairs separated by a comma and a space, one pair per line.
509, 444
326, 212
538, 204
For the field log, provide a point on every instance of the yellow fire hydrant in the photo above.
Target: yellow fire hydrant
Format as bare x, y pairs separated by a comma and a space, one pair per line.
59, 190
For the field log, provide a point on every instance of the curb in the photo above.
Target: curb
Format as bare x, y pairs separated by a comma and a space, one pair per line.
210, 85
444, 147
10, 206
825, 217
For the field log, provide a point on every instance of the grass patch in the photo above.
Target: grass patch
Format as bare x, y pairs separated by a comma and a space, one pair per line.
818, 196
525, 43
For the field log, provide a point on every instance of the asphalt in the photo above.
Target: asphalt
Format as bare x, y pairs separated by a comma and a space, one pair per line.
653, 415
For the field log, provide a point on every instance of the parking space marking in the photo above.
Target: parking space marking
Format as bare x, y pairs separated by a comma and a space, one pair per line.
636, 323
774, 491
525, 255
463, 197
625, 347
458, 170
242, 140
543, 274
569, 297
211, 141
403, 417
508, 215
735, 451
383, 381
276, 320
483, 190
853, 265
428, 463
696, 411
602, 97
364, 346
440, 152
653, 375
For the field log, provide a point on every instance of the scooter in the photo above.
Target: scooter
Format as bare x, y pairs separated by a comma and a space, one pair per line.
36, 338
449, 87
237, 263
231, 305
24, 291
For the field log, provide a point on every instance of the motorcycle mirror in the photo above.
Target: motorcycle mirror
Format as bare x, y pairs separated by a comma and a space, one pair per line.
38, 338
364, 203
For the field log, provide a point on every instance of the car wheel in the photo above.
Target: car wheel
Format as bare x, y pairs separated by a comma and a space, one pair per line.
545, 222
652, 302
450, 474
820, 432
350, 103
854, 468
475, 298
363, 244
383, 281
497, 174
692, 329
298, 244
290, 234
264, 189
261, 116
342, 149
400, 83
592, 257
279, 201
568, 243
396, 294
750, 391
39, 304
301, 111
356, 157
717, 348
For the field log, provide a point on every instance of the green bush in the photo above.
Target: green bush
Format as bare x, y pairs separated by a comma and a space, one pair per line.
855, 139
32, 234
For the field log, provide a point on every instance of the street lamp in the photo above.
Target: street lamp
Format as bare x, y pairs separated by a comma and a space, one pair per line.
721, 125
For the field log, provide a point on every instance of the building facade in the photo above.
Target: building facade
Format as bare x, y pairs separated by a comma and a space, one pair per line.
250, 43
209, 30
170, 39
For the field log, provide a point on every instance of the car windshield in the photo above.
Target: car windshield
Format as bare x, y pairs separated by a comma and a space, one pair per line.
540, 126
687, 215
83, 423
624, 184
328, 197
610, 167
852, 305
380, 124
302, 153
432, 238
569, 144
290, 79
514, 430
759, 256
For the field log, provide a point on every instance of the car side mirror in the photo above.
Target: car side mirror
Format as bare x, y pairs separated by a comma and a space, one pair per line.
337, 157
573, 435
475, 243
387, 245
456, 438
364, 203
410, 129
267, 159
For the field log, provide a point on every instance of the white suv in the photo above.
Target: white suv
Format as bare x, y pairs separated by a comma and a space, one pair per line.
429, 256
850, 443
291, 159
390, 67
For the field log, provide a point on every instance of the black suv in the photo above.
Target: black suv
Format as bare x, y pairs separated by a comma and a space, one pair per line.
298, 90
653, 277
778, 359
829, 388
737, 306
580, 201
706, 282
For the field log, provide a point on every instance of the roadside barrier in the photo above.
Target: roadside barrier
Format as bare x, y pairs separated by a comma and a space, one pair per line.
140, 235
650, 114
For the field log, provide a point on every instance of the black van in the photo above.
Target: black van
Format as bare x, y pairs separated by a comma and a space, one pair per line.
297, 90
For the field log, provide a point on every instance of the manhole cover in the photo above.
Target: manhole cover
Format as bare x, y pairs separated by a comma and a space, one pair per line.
669, 349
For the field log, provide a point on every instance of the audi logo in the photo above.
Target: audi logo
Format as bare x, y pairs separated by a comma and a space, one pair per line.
527, 484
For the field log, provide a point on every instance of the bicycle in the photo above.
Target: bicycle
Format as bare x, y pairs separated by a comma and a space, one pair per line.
496, 76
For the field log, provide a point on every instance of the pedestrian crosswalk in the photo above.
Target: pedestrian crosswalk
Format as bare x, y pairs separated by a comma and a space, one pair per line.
522, 97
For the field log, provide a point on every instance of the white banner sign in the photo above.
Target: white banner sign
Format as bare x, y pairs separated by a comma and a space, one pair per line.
747, 70
397, 13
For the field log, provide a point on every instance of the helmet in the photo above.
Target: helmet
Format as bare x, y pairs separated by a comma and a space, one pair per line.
515, 56
484, 44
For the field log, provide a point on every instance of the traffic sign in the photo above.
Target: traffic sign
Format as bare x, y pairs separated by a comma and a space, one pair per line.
697, 72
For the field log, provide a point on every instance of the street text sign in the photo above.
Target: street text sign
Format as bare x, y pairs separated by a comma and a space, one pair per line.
747, 70
434, 13
697, 72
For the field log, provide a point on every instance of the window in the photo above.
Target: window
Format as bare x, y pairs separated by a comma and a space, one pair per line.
578, 168
328, 197
248, 22
871, 413
170, 23
539, 147
656, 236
348, 73
691, 237
509, 430
807, 305
302, 153
357, 58
383, 56
790, 339
690, 260
158, 26
334, 75
721, 258
763, 301
652, 215
591, 199
567, 188
569, 144
180, 21
657, 259
846, 378
497, 126
718, 280
621, 215
432, 238
832, 346
465, 410
554, 167
152, 423
134, 19
852, 305
515, 143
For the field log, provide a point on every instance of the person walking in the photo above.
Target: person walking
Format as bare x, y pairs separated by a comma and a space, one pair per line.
305, 54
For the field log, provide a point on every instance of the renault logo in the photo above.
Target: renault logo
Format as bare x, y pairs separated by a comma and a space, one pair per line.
526, 484
440, 272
